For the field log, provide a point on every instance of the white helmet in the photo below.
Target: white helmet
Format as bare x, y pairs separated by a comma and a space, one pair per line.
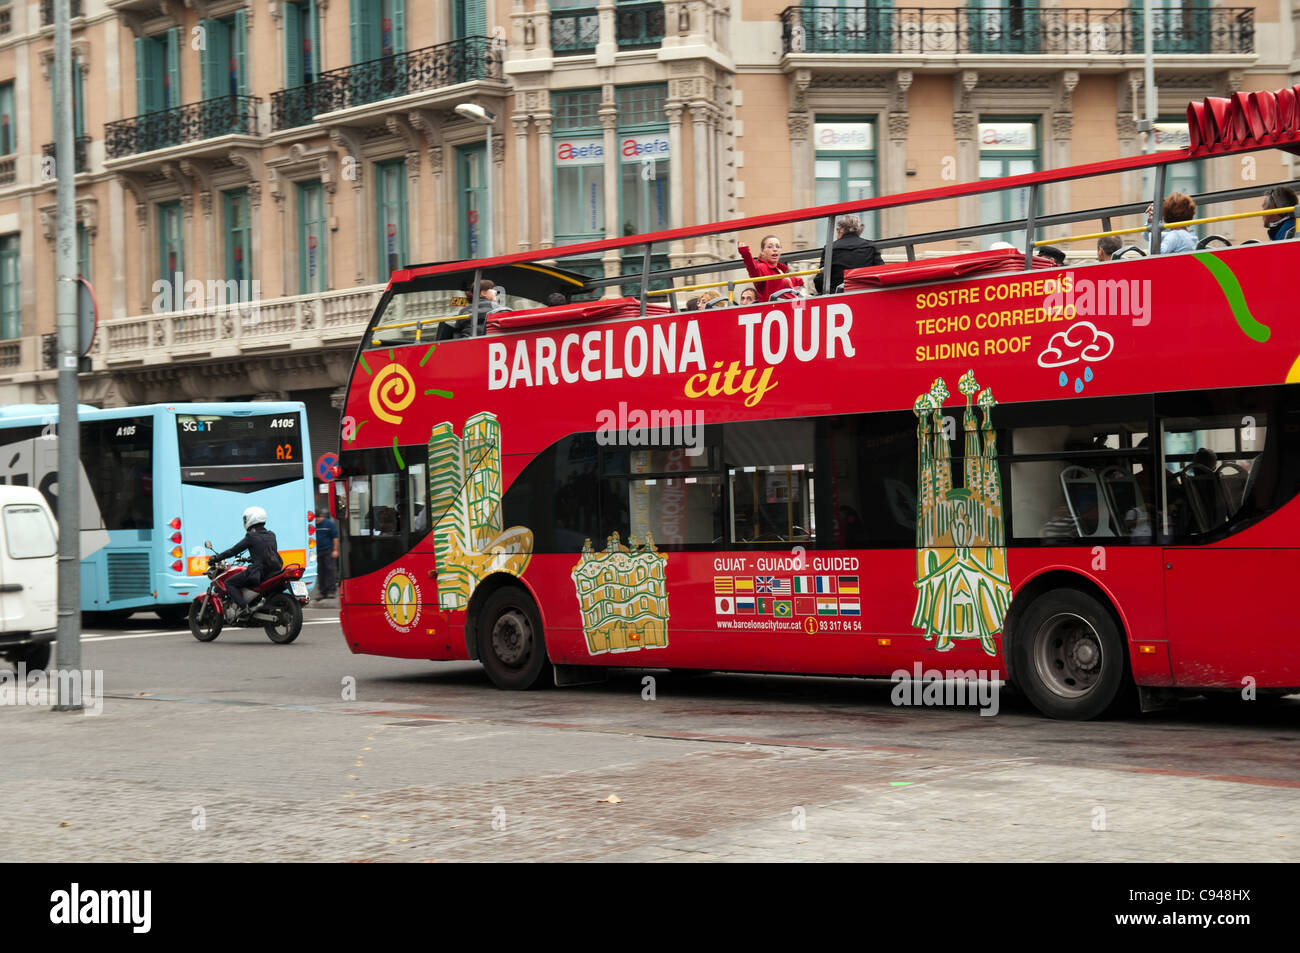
254, 515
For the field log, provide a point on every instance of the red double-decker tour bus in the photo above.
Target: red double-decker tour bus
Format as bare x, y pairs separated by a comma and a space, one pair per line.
1080, 476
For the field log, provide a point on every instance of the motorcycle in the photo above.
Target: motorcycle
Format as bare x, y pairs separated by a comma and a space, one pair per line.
275, 604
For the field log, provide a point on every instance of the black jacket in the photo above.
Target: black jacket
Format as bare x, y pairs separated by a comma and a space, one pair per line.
851, 251
264, 556
450, 330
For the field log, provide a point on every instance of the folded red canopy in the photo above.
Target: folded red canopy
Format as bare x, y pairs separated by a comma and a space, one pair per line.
609, 309
937, 269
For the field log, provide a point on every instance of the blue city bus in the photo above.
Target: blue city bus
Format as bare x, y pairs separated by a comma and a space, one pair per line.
159, 480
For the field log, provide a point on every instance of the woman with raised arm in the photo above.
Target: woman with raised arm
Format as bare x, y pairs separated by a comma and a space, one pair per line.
769, 263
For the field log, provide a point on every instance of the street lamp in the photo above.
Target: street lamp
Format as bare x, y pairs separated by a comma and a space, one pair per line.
476, 113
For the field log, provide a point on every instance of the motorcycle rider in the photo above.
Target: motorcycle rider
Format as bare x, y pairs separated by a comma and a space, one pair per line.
263, 560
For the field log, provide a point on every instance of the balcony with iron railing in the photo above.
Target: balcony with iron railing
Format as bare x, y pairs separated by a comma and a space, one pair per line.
80, 160
468, 60
1016, 30
575, 31
191, 123
77, 9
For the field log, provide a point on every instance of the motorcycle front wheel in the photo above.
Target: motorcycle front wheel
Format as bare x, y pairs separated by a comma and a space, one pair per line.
288, 618
205, 620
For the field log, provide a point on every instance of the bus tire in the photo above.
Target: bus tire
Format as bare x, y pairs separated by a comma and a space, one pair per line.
207, 627
1069, 657
510, 641
172, 615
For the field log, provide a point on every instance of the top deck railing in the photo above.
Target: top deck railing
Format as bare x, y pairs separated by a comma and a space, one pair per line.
651, 247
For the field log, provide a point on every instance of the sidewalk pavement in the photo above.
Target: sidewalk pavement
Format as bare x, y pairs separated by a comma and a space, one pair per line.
216, 779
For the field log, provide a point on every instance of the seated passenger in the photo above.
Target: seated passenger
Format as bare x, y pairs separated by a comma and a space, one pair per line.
1177, 207
1280, 227
769, 263
486, 304
706, 298
748, 295
556, 299
1107, 245
850, 250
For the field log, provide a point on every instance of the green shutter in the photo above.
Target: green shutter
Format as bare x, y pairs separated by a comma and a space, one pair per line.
143, 73
78, 101
470, 19
240, 51
313, 63
209, 85
293, 66
173, 69
399, 26
975, 25
365, 31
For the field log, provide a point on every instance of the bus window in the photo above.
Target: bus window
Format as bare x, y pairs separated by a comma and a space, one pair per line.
386, 513
670, 494
119, 452
871, 459
770, 481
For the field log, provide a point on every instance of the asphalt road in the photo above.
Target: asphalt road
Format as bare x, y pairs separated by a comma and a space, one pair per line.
372, 758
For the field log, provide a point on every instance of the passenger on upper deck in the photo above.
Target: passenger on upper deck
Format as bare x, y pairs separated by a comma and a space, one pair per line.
769, 263
748, 296
556, 299
1282, 226
1107, 245
486, 304
1177, 207
850, 250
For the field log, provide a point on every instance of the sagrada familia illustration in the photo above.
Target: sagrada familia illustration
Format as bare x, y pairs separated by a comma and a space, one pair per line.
465, 499
961, 557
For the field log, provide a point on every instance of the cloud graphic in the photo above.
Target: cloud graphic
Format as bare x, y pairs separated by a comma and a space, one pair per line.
1080, 342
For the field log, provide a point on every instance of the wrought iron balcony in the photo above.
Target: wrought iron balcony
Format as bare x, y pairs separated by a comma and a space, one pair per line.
448, 64
223, 116
1016, 29
575, 31
77, 9
639, 26
80, 162
8, 170
296, 106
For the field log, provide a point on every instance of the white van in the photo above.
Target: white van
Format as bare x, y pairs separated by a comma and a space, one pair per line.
29, 572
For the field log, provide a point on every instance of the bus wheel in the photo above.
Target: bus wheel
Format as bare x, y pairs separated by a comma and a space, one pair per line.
1068, 656
172, 615
35, 657
510, 642
207, 626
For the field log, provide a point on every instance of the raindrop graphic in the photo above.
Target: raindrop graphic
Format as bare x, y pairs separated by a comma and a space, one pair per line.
1062, 379
1087, 373
1078, 386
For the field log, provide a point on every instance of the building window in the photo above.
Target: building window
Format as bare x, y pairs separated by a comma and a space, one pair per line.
301, 44
471, 179
157, 84
1003, 26
390, 181
845, 166
311, 238
579, 167
378, 29
8, 122
469, 18
1008, 146
575, 26
171, 250
644, 196
1186, 177
239, 239
222, 60
11, 307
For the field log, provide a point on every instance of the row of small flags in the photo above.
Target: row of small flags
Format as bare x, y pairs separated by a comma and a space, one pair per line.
774, 586
785, 608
